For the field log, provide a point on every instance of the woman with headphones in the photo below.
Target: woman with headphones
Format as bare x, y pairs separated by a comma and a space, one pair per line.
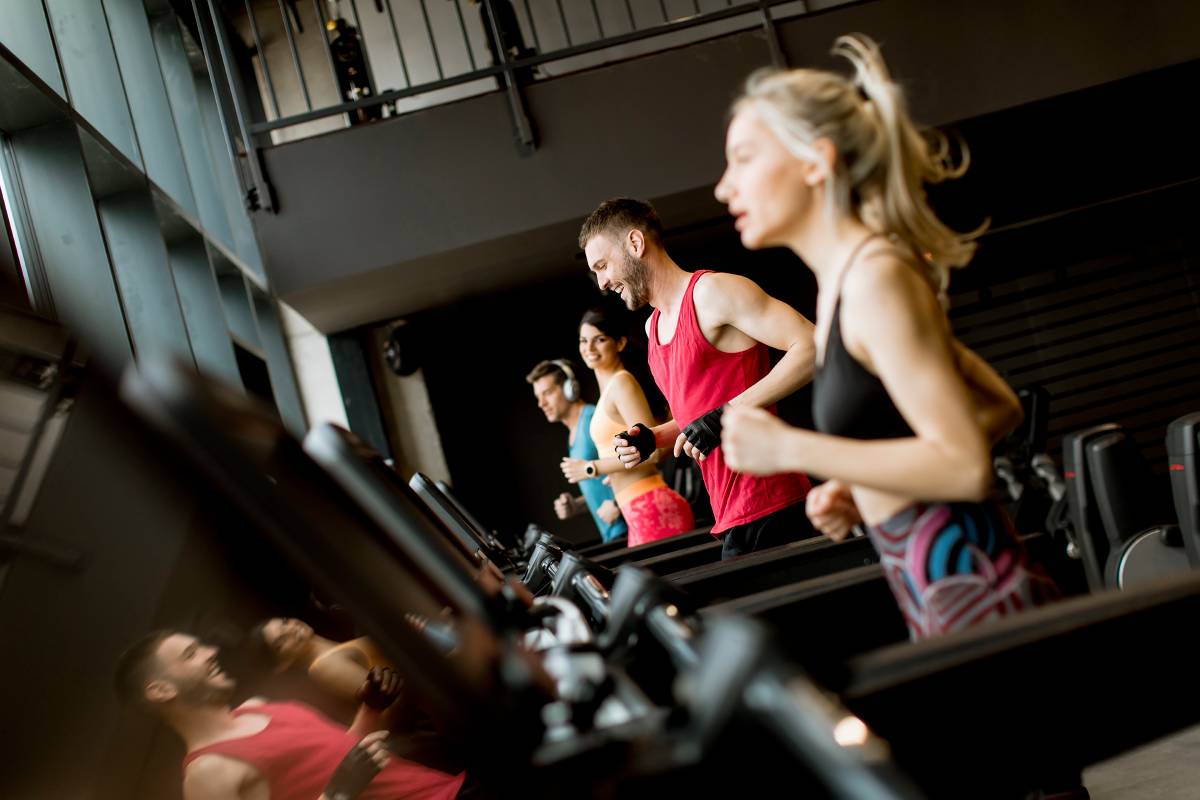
652, 510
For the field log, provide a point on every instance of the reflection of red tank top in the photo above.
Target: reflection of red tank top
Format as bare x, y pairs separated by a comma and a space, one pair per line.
299, 750
696, 377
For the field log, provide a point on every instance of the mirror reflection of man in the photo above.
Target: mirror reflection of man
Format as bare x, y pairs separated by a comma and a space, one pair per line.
262, 750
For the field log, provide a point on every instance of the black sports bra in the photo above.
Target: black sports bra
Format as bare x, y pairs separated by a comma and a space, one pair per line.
847, 399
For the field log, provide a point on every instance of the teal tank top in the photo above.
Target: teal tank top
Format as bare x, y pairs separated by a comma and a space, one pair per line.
594, 490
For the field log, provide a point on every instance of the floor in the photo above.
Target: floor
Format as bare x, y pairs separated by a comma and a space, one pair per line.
1168, 769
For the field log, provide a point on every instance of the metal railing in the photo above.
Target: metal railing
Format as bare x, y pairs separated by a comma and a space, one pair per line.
300, 67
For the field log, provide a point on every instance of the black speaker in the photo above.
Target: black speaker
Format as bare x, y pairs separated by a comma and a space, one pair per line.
400, 350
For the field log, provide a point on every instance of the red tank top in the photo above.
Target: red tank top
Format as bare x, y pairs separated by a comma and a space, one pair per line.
299, 750
696, 377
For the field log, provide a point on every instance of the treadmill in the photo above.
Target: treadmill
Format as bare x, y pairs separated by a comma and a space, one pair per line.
485, 691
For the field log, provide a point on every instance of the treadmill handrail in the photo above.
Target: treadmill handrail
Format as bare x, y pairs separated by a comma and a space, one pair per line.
758, 558
471, 539
901, 662
327, 445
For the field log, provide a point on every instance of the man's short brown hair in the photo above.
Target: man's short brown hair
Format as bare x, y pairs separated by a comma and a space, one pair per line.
545, 368
136, 667
616, 216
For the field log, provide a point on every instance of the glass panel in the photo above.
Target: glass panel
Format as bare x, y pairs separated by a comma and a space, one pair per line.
243, 242
24, 31
52, 179
202, 312
181, 91
93, 79
279, 364
148, 101
143, 272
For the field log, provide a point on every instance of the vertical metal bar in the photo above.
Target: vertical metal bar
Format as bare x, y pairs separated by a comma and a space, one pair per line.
526, 141
262, 189
362, 40
533, 27
596, 14
663, 6
432, 42
696, 5
778, 58
45, 414
466, 39
24, 238
632, 21
320, 12
262, 58
399, 49
287, 28
562, 17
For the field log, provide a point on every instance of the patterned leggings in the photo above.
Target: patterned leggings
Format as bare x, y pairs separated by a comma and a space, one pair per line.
954, 565
655, 514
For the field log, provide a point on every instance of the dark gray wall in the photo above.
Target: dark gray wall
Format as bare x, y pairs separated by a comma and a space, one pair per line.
384, 219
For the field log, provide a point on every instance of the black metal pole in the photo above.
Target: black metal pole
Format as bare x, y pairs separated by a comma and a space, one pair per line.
522, 126
262, 58
778, 57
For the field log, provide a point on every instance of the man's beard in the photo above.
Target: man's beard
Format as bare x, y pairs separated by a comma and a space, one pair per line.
636, 278
203, 693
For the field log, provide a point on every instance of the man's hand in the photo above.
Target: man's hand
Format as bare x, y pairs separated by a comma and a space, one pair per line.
564, 506
380, 688
831, 509
575, 470
751, 440
609, 511
701, 436
358, 768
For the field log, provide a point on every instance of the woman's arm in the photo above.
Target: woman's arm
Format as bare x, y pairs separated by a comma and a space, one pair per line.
892, 318
575, 469
997, 408
633, 408
341, 672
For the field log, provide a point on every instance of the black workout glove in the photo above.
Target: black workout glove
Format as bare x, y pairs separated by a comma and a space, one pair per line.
380, 688
643, 440
704, 433
354, 774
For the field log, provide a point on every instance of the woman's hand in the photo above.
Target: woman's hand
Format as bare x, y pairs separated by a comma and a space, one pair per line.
380, 688
609, 511
752, 440
831, 510
575, 470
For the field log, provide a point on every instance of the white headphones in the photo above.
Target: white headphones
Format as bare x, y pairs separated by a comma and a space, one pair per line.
571, 389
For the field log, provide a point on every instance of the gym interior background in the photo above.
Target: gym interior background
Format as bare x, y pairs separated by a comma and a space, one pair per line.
196, 178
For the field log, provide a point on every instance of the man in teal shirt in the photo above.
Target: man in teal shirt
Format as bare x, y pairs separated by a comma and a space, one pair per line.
558, 396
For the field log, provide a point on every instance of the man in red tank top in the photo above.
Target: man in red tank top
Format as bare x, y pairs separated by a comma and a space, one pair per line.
708, 340
268, 750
